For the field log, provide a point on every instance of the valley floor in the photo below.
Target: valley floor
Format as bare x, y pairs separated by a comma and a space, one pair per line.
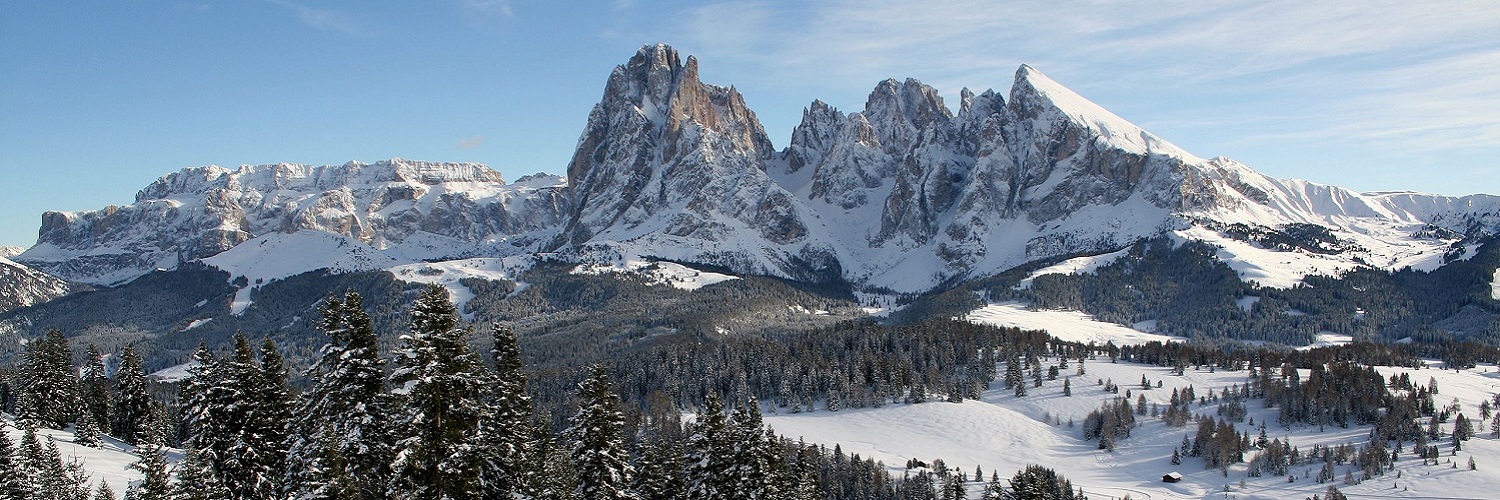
1004, 433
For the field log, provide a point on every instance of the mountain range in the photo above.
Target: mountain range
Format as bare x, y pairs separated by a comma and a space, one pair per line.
903, 197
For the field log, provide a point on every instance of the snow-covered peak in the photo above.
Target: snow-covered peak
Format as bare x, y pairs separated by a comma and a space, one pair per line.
1041, 96
198, 212
7, 252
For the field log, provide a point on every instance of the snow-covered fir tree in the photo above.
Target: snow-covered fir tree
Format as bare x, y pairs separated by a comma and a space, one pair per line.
236, 416
131, 412
598, 446
340, 447
156, 483
49, 389
94, 393
442, 386
505, 430
710, 449
14, 484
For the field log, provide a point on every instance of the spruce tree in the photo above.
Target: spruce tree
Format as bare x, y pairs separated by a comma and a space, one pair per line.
105, 492
340, 446
707, 459
14, 482
131, 412
87, 432
598, 447
94, 389
658, 470
505, 430
157, 481
50, 387
442, 384
194, 480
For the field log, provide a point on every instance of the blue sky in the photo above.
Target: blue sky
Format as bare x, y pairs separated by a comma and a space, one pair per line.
97, 99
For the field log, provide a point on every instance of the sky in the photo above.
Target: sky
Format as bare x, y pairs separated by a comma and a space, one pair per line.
98, 99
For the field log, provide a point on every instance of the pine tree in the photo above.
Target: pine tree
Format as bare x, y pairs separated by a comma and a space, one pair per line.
14, 482
504, 430
194, 480
598, 448
104, 492
340, 447
94, 389
131, 412
707, 458
658, 470
157, 483
236, 418
87, 432
50, 387
442, 385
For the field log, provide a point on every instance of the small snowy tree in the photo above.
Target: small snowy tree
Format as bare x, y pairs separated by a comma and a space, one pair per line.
131, 411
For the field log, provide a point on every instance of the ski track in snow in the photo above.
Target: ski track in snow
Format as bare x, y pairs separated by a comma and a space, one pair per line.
1004, 433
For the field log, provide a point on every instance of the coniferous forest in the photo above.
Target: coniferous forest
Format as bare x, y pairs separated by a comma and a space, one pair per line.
436, 418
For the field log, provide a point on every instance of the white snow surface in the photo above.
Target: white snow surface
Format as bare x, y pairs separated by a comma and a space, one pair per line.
1115, 130
1072, 326
1004, 433
449, 273
657, 272
1077, 265
110, 463
8, 251
1326, 339
1495, 285
282, 255
175, 373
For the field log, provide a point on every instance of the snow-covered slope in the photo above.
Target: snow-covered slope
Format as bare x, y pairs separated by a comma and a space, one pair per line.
1071, 326
109, 463
1004, 433
22, 286
281, 255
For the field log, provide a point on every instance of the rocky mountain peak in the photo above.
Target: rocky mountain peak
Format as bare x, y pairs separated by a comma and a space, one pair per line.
900, 109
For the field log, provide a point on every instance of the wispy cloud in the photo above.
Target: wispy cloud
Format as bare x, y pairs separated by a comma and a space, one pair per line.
489, 7
324, 19
471, 142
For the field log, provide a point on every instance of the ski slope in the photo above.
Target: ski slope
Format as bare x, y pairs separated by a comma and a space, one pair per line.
1002, 432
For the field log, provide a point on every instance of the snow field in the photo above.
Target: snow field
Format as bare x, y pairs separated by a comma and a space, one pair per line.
1071, 326
658, 272
110, 464
1004, 433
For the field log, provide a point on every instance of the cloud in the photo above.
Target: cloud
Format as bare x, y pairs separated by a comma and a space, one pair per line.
471, 142
329, 20
489, 7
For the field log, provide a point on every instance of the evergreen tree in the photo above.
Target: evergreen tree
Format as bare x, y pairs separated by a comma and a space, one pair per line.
505, 430
598, 448
131, 412
194, 480
14, 483
658, 471
235, 420
50, 387
157, 483
708, 469
87, 432
340, 448
104, 492
442, 385
94, 389
1039, 483
273, 415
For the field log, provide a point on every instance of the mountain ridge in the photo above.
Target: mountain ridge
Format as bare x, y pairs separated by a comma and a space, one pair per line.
903, 195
